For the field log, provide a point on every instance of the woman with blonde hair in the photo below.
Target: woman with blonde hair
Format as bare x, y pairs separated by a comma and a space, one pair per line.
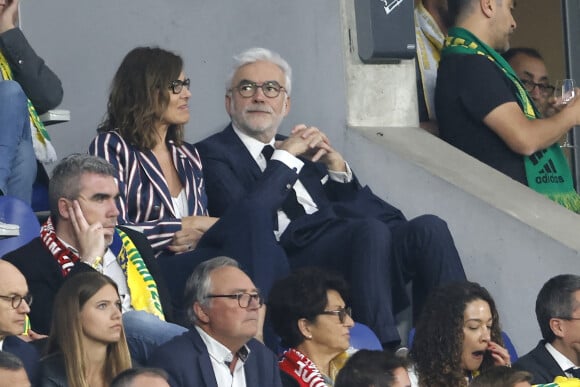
87, 345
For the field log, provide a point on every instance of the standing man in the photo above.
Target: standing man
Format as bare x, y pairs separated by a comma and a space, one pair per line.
324, 217
558, 312
81, 235
531, 69
431, 24
220, 349
484, 110
14, 305
27, 88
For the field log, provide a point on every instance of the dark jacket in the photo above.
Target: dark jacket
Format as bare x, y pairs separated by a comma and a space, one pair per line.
45, 278
541, 364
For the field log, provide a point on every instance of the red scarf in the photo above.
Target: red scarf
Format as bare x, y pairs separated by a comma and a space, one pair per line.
65, 258
301, 368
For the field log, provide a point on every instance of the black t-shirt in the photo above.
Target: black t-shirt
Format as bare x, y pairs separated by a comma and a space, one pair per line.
468, 88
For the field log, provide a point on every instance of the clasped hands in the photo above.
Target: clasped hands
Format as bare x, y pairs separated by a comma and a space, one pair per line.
192, 229
313, 144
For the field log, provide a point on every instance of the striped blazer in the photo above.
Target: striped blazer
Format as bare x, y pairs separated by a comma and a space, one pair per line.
144, 199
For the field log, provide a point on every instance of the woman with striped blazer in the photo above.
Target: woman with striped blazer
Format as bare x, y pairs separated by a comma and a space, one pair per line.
161, 185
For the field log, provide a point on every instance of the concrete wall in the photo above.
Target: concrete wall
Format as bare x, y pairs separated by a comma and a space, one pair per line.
511, 239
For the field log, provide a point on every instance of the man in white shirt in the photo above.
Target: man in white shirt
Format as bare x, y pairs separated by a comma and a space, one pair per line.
220, 350
81, 235
558, 313
323, 216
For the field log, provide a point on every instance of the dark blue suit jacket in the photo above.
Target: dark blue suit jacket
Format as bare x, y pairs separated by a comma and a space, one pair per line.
25, 352
231, 173
541, 364
187, 361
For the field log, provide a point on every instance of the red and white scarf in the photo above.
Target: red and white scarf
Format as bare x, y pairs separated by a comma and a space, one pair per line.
301, 368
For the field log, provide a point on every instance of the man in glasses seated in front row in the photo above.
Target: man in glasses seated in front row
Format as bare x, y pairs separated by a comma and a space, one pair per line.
220, 350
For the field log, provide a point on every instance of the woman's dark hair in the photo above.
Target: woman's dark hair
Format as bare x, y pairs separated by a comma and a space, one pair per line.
301, 295
140, 95
438, 342
370, 369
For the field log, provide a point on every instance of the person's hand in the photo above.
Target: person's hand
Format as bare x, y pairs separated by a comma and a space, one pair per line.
185, 240
320, 148
90, 237
8, 14
201, 223
499, 354
31, 335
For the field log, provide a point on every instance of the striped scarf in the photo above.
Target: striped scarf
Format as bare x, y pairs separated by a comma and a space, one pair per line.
547, 170
40, 138
142, 285
561, 381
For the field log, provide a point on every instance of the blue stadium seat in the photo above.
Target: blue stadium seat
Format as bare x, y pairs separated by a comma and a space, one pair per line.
15, 211
362, 337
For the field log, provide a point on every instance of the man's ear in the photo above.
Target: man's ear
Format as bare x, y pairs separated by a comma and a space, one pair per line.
228, 103
287, 105
63, 206
200, 313
487, 7
557, 327
304, 328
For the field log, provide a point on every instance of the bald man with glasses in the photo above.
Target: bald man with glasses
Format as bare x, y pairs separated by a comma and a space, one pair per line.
14, 306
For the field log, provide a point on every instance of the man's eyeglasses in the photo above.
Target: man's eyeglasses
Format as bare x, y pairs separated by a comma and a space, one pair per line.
244, 299
247, 89
177, 85
544, 88
569, 318
16, 300
341, 313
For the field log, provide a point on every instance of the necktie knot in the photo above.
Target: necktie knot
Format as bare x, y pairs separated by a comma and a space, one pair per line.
267, 151
574, 371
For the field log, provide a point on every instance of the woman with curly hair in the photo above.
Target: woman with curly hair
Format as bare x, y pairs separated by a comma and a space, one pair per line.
457, 336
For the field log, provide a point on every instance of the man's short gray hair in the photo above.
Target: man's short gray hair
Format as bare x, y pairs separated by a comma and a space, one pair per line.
258, 54
65, 180
199, 283
9, 361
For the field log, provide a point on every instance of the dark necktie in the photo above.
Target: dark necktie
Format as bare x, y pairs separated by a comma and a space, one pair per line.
575, 372
290, 206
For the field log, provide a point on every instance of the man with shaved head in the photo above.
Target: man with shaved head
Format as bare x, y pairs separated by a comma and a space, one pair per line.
14, 305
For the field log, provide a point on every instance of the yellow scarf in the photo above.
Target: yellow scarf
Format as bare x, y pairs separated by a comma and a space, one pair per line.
41, 139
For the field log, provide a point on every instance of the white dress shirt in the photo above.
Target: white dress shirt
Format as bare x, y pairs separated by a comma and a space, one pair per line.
562, 360
304, 199
221, 357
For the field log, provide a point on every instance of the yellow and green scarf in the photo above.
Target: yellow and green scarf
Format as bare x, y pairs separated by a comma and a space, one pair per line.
561, 381
41, 139
547, 170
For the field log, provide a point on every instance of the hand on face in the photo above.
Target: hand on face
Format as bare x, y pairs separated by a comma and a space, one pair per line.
90, 237
500, 355
8, 14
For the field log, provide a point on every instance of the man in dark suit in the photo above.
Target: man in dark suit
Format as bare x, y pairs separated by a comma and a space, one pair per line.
220, 350
83, 237
558, 314
14, 305
325, 217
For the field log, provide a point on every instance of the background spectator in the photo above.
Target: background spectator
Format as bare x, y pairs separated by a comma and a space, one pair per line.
373, 369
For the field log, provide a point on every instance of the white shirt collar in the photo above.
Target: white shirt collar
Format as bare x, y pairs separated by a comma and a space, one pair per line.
254, 146
220, 352
562, 360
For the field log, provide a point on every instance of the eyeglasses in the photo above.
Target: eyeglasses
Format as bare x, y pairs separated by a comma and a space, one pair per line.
341, 313
177, 85
569, 318
544, 89
247, 89
244, 299
16, 300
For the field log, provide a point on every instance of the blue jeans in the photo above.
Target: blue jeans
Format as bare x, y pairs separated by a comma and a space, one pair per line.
145, 332
17, 158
